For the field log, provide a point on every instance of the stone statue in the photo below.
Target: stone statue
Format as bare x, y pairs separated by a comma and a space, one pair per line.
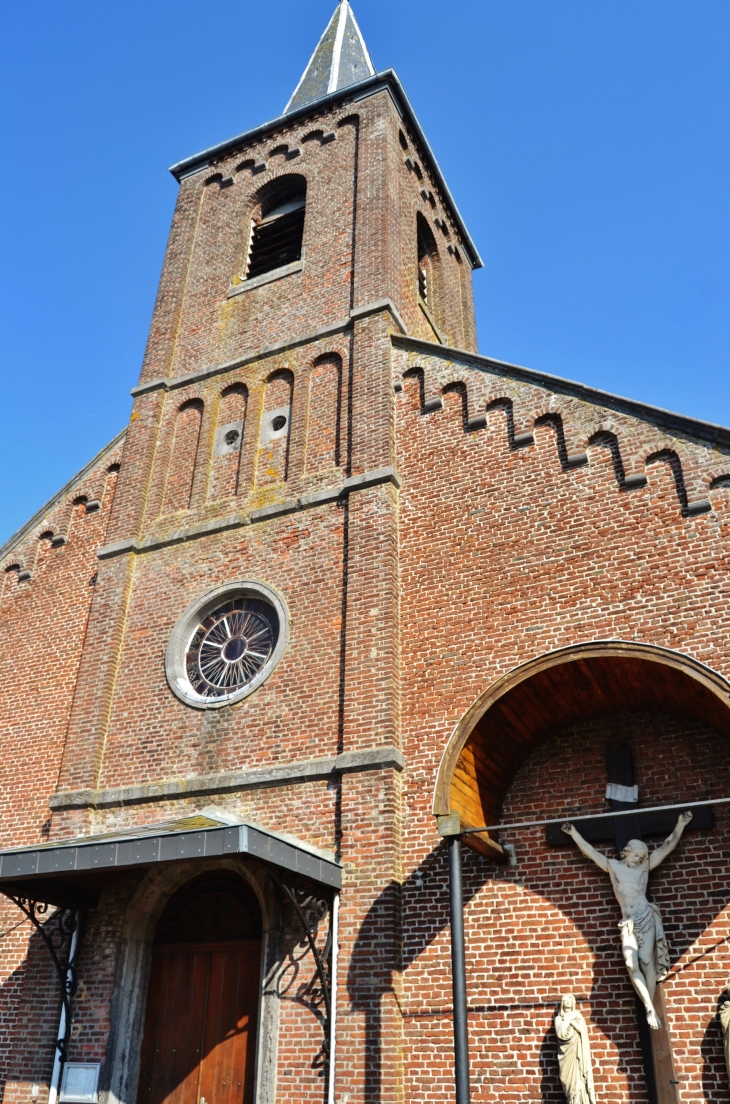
574, 1054
725, 1021
643, 942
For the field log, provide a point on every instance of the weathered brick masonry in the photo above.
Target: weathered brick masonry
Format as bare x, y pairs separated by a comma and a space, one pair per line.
432, 520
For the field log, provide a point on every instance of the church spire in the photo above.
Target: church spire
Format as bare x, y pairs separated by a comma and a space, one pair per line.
340, 59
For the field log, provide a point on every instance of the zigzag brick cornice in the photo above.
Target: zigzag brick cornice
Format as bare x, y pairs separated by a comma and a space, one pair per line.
53, 521
582, 417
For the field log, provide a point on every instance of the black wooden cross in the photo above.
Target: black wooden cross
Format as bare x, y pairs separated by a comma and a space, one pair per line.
621, 829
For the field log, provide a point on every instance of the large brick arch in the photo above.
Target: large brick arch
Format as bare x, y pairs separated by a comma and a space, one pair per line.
513, 717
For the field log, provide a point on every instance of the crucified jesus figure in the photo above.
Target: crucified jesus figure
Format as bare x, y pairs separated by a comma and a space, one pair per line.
643, 941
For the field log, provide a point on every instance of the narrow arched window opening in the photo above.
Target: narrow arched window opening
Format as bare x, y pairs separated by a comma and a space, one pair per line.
422, 280
427, 253
277, 235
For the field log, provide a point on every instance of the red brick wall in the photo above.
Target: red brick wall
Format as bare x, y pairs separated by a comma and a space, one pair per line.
30, 1004
506, 553
294, 714
360, 196
549, 926
42, 627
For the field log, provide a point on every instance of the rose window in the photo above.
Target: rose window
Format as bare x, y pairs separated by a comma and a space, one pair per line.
226, 644
230, 647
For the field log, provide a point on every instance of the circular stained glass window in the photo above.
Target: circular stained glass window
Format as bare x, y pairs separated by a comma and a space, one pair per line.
230, 646
226, 644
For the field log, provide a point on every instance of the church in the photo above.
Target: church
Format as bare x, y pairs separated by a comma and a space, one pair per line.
354, 694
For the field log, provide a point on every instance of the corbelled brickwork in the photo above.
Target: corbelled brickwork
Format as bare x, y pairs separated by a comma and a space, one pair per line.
431, 520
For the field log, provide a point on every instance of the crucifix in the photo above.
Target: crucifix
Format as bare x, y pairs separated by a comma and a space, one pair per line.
642, 934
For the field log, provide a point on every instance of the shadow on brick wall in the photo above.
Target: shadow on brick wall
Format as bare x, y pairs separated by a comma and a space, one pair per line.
379, 954
715, 1076
30, 1006
384, 947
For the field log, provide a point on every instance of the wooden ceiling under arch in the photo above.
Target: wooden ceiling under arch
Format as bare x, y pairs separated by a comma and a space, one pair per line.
559, 689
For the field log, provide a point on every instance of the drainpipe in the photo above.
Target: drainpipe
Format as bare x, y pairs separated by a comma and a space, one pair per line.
62, 1027
449, 827
333, 999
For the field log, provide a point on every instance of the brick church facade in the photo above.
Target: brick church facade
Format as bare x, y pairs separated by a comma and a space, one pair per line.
343, 589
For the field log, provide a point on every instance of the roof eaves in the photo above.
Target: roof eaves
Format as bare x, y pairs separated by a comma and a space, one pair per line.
388, 78
38, 517
669, 419
195, 836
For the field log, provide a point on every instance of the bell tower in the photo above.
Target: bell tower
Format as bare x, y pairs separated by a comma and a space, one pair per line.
289, 227
260, 468
296, 249
331, 223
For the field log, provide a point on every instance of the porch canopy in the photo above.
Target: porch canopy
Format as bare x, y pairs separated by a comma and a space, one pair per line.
72, 873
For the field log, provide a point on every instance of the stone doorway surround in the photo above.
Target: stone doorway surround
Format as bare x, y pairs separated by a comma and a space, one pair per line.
133, 972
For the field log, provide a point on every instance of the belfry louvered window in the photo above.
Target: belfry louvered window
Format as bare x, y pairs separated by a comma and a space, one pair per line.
276, 240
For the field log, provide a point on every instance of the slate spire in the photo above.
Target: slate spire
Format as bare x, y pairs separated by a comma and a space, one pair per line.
340, 59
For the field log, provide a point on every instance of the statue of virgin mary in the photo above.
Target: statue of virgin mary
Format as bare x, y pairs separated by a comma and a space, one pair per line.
574, 1054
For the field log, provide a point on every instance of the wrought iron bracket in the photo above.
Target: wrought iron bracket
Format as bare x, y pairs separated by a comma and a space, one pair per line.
57, 932
311, 910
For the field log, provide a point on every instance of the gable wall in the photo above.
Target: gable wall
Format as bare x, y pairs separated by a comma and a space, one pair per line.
48, 581
43, 620
513, 544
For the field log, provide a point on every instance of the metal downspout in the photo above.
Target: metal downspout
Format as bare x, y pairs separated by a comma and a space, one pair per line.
458, 973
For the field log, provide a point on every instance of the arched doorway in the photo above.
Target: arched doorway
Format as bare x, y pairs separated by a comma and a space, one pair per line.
199, 1041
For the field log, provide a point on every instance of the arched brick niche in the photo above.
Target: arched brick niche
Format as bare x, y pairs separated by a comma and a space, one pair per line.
511, 719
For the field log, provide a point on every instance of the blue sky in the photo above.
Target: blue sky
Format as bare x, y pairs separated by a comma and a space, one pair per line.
585, 141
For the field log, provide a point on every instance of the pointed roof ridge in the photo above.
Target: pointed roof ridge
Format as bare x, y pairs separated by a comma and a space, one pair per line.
340, 59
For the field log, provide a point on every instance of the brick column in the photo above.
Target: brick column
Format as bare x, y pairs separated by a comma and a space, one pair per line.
370, 1047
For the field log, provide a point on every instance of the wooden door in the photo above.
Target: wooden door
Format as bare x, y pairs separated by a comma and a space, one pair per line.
199, 1040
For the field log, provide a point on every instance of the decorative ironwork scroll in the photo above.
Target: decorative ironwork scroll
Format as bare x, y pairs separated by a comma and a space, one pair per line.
311, 910
57, 931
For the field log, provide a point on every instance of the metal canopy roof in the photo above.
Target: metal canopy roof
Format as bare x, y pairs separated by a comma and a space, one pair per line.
73, 871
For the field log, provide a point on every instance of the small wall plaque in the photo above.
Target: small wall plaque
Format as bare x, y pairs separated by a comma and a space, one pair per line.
80, 1083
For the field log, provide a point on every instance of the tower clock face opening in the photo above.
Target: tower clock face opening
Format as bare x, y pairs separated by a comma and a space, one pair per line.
226, 644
